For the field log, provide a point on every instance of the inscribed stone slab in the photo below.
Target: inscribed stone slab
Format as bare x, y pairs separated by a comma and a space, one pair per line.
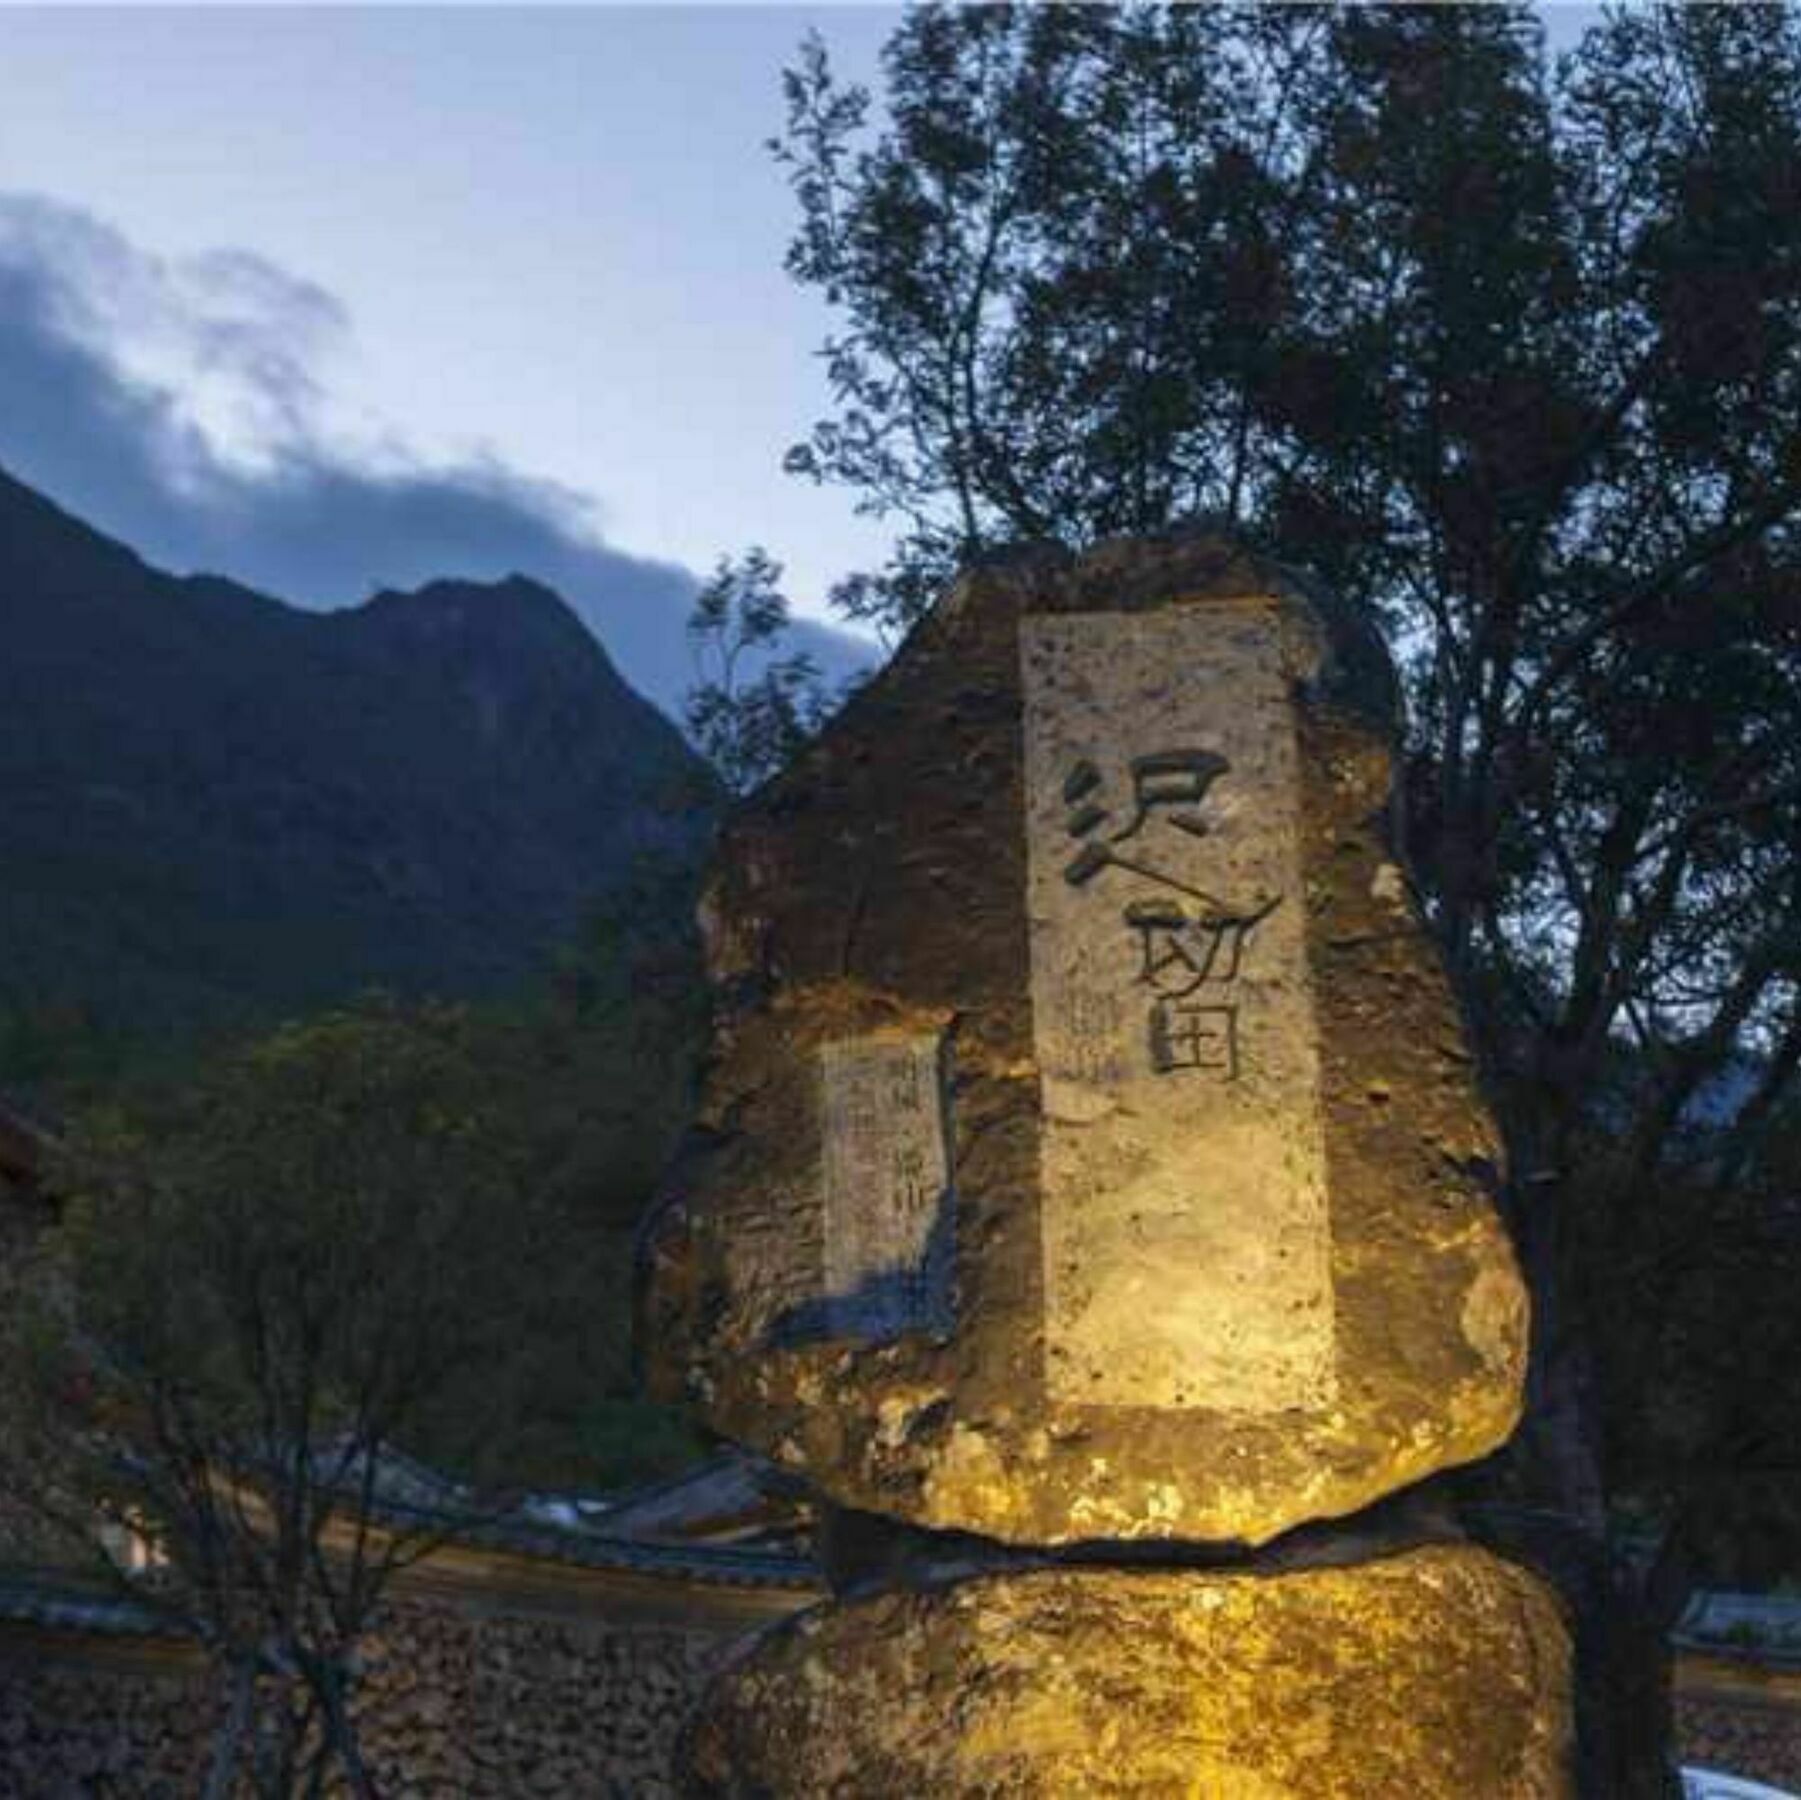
1186, 1241
885, 1175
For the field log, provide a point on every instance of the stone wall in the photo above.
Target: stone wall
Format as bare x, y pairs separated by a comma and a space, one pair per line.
80, 1715
1740, 1718
457, 1706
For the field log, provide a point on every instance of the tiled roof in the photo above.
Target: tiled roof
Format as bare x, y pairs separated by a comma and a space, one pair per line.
732, 1565
70, 1606
1759, 1628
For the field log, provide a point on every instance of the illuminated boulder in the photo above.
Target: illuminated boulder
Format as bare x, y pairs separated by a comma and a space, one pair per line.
1440, 1674
1091, 1147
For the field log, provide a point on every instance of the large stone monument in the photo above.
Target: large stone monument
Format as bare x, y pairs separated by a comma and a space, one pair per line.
1091, 1159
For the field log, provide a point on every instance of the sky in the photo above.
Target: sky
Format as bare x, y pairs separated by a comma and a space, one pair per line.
331, 299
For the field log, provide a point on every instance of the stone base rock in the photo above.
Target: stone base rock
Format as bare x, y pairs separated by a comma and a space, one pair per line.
1436, 1674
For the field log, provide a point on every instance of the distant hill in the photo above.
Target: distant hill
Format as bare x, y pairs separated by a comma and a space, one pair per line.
215, 806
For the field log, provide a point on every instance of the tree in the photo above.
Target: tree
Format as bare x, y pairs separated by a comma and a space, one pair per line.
1510, 359
596, 1070
1510, 354
262, 1292
749, 726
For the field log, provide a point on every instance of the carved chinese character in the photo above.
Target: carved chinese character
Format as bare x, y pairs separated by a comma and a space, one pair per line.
1187, 1036
1172, 778
1079, 787
1178, 951
1163, 781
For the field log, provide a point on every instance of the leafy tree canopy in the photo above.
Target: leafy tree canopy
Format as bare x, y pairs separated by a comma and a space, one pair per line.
352, 1239
1508, 352
748, 725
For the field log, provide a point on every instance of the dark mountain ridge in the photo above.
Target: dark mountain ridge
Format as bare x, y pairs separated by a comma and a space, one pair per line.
214, 805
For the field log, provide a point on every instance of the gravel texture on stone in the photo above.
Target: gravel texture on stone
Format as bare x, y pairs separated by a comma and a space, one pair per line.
1439, 1674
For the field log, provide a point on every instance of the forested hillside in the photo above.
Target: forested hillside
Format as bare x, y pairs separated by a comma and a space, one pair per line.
215, 807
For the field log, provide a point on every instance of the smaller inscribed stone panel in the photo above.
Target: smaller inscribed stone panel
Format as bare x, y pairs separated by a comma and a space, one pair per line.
885, 1177
1187, 1250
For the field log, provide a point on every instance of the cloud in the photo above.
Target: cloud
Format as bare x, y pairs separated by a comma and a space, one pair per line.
180, 405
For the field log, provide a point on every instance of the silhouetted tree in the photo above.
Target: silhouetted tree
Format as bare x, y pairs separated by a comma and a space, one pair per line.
749, 724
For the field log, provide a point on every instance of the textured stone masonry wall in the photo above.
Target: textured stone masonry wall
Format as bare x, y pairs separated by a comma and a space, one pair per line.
457, 1707
1749, 1737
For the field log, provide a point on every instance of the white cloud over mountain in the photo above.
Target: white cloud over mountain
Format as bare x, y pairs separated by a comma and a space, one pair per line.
192, 406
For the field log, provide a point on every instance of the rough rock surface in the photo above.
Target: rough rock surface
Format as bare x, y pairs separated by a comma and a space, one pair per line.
1091, 1146
1437, 1675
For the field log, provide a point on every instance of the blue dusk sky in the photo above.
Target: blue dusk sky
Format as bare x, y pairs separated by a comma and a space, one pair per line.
329, 299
